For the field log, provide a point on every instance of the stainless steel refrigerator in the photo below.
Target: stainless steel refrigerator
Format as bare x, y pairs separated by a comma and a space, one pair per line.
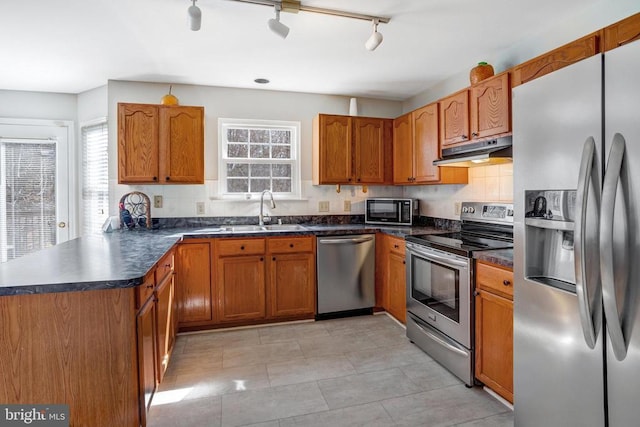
576, 150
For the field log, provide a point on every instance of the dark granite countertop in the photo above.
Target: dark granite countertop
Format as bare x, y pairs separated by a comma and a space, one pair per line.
121, 259
502, 257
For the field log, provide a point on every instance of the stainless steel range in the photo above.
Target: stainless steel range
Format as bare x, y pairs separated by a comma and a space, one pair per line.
440, 308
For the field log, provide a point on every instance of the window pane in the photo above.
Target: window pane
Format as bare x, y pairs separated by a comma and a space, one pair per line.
258, 185
237, 169
237, 151
280, 137
282, 170
282, 185
259, 151
235, 185
237, 135
281, 152
260, 170
260, 135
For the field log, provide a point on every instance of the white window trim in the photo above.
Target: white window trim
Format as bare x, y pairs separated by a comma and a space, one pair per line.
87, 123
296, 180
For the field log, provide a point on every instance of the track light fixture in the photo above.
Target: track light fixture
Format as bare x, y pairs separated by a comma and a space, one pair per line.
276, 26
195, 16
376, 38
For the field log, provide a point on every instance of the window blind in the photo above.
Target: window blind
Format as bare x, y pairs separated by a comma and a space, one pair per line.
95, 177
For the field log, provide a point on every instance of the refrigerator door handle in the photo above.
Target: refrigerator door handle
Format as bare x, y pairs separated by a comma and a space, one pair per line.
609, 190
588, 175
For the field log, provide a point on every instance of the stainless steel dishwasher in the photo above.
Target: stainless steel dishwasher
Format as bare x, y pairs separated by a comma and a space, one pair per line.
346, 275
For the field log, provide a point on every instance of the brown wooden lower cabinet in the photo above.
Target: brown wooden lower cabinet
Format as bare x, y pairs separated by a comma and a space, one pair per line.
166, 323
391, 284
494, 328
147, 351
193, 282
241, 288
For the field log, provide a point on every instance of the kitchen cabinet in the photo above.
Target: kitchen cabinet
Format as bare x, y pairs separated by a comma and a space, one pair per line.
240, 279
454, 119
491, 107
147, 362
621, 33
166, 312
391, 292
556, 59
160, 144
292, 276
494, 328
193, 282
416, 146
351, 150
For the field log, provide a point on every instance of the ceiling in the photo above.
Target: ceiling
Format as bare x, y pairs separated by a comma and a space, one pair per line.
71, 46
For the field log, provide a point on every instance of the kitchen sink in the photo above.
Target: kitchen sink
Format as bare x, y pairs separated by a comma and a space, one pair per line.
250, 229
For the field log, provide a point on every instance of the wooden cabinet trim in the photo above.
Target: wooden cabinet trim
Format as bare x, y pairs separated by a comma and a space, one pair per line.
622, 32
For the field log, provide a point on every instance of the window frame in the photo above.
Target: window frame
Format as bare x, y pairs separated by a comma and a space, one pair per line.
104, 123
294, 160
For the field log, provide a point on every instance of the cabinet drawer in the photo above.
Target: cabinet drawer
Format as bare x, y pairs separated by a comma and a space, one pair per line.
165, 267
494, 279
283, 245
397, 245
228, 247
145, 290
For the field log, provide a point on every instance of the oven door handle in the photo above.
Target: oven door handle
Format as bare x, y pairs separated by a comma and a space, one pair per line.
437, 258
442, 342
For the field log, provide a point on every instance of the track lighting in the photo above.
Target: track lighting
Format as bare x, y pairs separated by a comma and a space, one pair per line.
195, 16
276, 26
376, 38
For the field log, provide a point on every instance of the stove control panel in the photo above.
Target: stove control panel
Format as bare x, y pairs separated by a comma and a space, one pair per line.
501, 213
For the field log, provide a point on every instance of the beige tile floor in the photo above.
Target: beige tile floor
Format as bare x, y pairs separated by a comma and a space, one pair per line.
359, 371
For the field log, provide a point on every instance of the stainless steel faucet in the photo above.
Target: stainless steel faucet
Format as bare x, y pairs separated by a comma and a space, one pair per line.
273, 206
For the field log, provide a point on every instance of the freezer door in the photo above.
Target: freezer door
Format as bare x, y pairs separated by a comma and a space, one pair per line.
620, 244
558, 378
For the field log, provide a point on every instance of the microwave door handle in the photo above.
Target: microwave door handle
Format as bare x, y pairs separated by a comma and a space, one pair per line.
587, 175
610, 187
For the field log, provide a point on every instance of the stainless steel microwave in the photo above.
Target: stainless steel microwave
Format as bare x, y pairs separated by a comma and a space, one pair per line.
390, 211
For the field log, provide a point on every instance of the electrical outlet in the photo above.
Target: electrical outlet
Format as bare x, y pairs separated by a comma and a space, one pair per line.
199, 208
456, 207
157, 201
347, 205
323, 206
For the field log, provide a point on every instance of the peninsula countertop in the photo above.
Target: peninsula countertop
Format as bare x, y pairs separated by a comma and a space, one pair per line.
122, 259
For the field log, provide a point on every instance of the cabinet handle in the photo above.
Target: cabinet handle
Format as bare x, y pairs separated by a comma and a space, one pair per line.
349, 179
155, 178
261, 259
463, 137
150, 286
474, 134
290, 245
358, 179
167, 265
273, 259
404, 262
476, 293
396, 246
506, 282
242, 248
168, 178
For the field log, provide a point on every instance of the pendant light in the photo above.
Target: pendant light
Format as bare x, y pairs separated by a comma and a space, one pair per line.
195, 16
276, 26
375, 39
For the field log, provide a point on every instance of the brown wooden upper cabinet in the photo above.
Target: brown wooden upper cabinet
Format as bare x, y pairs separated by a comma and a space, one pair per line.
490, 113
415, 147
454, 119
160, 144
351, 150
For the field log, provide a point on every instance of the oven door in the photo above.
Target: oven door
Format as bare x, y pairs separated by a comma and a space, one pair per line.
439, 291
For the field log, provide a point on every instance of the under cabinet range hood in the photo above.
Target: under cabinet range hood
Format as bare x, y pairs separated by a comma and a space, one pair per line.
483, 153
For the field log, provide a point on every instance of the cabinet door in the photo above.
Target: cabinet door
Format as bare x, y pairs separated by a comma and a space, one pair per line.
494, 343
370, 144
240, 287
146, 327
137, 143
426, 144
181, 145
491, 107
193, 282
454, 119
403, 153
382, 271
333, 148
397, 286
166, 323
292, 289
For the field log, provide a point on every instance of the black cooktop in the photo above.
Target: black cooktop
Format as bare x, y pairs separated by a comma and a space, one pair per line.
462, 243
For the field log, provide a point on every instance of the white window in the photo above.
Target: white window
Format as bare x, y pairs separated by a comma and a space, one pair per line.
95, 176
257, 155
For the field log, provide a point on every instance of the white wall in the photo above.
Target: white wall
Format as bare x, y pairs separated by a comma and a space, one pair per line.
180, 200
37, 105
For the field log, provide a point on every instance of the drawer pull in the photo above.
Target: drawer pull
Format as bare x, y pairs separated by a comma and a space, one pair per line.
261, 259
150, 286
290, 245
167, 266
506, 282
396, 246
273, 259
242, 248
